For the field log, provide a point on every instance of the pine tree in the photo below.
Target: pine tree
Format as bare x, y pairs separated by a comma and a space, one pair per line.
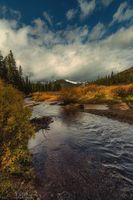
14, 75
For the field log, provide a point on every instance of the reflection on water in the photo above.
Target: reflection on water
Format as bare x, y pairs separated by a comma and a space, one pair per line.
69, 116
96, 107
82, 156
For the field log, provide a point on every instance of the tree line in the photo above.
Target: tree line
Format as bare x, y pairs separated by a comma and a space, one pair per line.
12, 74
124, 77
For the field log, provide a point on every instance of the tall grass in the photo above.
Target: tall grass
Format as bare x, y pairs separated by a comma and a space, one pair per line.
88, 94
95, 93
45, 96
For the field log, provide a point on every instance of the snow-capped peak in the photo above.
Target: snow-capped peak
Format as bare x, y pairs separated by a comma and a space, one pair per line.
73, 82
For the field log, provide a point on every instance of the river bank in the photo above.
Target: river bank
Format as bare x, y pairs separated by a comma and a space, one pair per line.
118, 98
120, 115
16, 169
121, 111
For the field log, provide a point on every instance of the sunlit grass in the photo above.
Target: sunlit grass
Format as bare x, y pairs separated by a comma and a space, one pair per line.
45, 96
88, 93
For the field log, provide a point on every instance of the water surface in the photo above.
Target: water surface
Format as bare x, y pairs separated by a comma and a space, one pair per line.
82, 156
96, 106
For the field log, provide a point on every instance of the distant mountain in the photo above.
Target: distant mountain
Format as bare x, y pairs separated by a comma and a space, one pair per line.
67, 83
126, 72
124, 77
73, 82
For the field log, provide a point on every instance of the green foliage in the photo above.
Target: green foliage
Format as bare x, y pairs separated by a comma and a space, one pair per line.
6, 188
47, 86
129, 98
10, 73
124, 77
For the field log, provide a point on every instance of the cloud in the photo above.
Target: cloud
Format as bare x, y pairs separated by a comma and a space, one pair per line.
8, 13
71, 14
75, 34
97, 32
122, 39
86, 7
107, 2
48, 18
73, 53
123, 13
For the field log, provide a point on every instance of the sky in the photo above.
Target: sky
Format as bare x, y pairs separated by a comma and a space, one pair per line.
77, 40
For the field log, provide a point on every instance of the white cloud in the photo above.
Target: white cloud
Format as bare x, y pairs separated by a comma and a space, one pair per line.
39, 26
75, 35
86, 7
71, 14
97, 31
48, 18
122, 39
123, 13
107, 2
64, 54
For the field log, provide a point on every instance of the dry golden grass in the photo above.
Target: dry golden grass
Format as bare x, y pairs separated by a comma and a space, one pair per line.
88, 93
83, 94
45, 96
96, 93
1, 84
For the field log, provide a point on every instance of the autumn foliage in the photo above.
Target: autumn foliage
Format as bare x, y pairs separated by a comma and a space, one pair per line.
97, 93
90, 93
15, 130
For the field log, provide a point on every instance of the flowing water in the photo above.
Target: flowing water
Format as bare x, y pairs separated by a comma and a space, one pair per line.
82, 156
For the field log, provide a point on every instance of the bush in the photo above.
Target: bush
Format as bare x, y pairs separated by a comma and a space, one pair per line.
130, 90
120, 92
123, 91
69, 96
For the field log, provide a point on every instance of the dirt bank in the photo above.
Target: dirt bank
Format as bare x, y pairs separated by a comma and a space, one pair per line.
119, 111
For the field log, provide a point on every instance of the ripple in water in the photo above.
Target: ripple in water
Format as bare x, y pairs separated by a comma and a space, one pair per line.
82, 156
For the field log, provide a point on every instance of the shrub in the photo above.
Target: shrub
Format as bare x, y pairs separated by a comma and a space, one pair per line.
69, 96
130, 90
123, 91
120, 92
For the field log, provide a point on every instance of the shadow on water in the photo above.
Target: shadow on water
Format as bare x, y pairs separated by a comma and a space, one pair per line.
70, 116
82, 156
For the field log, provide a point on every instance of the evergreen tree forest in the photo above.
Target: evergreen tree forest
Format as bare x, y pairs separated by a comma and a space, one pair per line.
11, 74
124, 77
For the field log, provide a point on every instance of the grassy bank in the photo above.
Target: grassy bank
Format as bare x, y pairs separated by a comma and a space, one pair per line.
119, 98
98, 94
89, 94
16, 174
46, 96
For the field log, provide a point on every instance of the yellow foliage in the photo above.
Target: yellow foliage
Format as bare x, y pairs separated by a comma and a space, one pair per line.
46, 96
96, 93
15, 128
87, 93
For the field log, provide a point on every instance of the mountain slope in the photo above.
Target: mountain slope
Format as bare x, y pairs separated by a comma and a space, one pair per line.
66, 83
127, 71
124, 77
